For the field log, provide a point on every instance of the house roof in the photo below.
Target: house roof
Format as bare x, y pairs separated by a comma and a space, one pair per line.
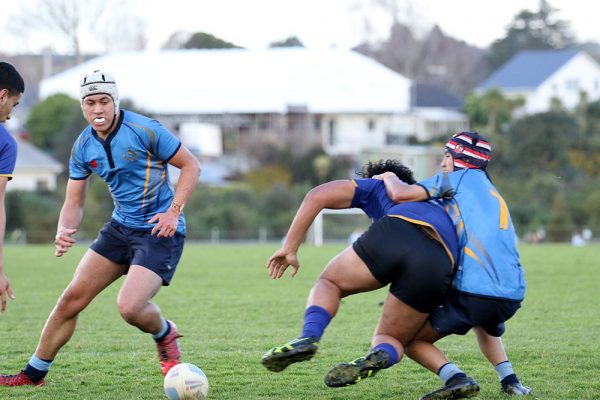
30, 157
528, 69
429, 95
245, 81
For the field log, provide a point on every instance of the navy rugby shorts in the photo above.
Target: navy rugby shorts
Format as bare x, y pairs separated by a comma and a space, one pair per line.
402, 254
123, 245
460, 312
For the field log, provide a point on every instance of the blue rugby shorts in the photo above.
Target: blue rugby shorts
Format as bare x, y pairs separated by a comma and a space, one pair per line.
123, 245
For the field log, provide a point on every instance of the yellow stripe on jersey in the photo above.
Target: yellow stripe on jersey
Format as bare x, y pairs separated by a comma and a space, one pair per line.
436, 236
146, 182
503, 210
471, 254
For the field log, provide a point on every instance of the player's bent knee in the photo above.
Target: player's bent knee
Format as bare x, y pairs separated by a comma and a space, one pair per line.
129, 312
70, 304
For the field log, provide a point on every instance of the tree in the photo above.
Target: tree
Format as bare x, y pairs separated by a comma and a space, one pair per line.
202, 40
490, 111
54, 123
528, 31
291, 41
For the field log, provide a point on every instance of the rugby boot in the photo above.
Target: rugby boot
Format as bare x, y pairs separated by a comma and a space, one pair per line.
168, 349
279, 358
516, 388
344, 374
459, 387
20, 379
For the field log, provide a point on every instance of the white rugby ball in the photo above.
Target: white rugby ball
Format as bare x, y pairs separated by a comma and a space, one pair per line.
186, 381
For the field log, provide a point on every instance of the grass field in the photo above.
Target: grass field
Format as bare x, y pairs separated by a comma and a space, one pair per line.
230, 313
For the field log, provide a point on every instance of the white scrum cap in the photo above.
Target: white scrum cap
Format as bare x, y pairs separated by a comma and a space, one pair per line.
99, 82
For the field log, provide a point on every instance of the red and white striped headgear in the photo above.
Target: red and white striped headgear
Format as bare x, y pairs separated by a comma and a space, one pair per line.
469, 150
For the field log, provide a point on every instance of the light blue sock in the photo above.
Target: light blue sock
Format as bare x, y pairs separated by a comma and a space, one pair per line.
40, 364
448, 371
504, 369
163, 330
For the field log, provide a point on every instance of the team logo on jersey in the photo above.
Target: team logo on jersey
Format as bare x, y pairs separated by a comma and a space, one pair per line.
93, 164
130, 155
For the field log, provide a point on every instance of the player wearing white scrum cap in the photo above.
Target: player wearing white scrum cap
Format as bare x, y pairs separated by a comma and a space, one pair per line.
144, 238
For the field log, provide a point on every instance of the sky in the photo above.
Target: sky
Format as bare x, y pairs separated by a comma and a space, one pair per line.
317, 23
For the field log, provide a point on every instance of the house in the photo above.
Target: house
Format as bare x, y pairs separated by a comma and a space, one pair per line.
228, 103
335, 98
34, 169
540, 77
434, 113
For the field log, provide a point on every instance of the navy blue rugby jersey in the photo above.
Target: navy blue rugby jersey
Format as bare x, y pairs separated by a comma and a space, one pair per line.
371, 197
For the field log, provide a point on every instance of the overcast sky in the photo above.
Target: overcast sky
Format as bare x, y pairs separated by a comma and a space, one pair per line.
317, 23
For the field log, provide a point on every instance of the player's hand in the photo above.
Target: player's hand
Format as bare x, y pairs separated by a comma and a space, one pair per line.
166, 223
63, 241
383, 175
5, 291
279, 262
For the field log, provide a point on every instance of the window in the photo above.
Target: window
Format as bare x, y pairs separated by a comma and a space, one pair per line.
572, 84
371, 124
332, 129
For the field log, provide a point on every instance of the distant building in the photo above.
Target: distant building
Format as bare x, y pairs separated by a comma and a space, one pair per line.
34, 170
240, 101
542, 76
335, 98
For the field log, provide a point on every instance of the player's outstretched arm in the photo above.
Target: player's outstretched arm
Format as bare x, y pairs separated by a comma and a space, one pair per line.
70, 216
335, 195
5, 289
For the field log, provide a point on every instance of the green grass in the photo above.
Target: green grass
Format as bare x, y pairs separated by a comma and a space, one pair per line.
231, 313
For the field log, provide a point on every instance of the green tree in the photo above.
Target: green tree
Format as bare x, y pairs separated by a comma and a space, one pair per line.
202, 40
538, 144
291, 41
490, 111
54, 123
531, 30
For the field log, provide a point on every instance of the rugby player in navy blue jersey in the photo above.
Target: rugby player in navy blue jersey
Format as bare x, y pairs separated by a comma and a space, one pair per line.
11, 88
144, 237
411, 247
489, 283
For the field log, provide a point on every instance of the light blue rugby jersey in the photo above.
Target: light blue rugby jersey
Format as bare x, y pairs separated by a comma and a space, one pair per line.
133, 162
489, 263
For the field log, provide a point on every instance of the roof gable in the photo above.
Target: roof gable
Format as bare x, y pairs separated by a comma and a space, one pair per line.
528, 69
428, 95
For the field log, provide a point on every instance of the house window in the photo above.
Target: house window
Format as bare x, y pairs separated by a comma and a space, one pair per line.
332, 131
371, 124
41, 185
572, 84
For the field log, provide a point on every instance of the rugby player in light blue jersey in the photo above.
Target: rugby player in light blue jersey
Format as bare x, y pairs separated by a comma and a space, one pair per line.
489, 283
144, 238
411, 247
12, 87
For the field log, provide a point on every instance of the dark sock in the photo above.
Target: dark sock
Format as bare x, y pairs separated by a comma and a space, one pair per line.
390, 350
165, 334
316, 320
512, 378
35, 374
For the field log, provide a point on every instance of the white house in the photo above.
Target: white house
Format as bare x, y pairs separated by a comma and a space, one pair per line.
337, 98
34, 169
542, 76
